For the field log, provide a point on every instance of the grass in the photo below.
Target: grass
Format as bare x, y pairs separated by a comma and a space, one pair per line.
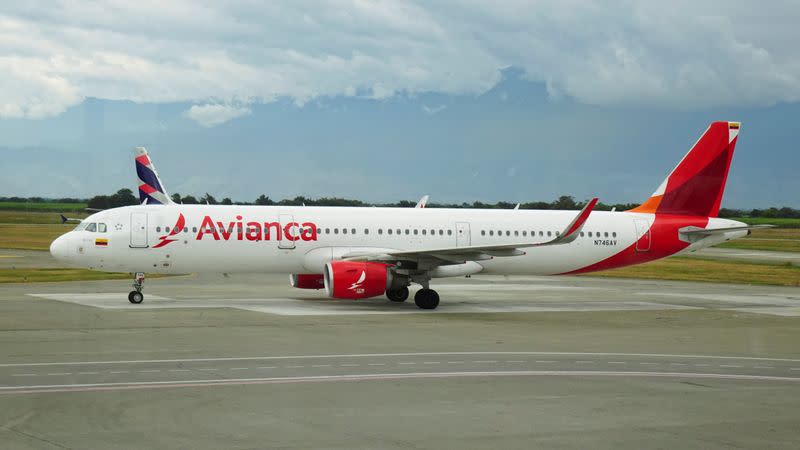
30, 236
28, 217
774, 239
778, 222
697, 269
52, 275
43, 206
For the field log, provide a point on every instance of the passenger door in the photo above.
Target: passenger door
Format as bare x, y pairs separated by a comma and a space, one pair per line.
643, 242
283, 242
463, 238
138, 230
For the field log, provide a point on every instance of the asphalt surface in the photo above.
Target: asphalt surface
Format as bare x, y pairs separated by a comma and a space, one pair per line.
248, 362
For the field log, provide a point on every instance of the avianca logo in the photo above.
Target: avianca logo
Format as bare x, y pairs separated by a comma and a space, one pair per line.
357, 285
164, 240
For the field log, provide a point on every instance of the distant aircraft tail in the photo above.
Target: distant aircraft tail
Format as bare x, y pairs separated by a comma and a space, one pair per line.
151, 191
696, 185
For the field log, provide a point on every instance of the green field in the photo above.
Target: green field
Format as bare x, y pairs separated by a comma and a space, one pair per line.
697, 269
29, 217
778, 222
43, 206
30, 236
773, 239
52, 275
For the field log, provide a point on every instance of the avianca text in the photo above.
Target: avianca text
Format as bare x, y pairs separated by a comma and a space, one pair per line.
256, 231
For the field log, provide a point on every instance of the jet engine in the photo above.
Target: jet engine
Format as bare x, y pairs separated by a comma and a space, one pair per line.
355, 280
306, 281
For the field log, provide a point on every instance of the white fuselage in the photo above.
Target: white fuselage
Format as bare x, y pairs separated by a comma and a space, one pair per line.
285, 239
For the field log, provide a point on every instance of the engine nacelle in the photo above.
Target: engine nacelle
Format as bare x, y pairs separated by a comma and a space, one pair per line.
306, 280
354, 280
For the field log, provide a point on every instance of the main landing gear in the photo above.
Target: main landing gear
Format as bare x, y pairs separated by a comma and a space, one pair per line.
398, 295
136, 296
426, 298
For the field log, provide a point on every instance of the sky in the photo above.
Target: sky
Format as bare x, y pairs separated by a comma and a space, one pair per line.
382, 101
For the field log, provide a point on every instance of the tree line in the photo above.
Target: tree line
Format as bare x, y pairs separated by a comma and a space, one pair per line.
125, 197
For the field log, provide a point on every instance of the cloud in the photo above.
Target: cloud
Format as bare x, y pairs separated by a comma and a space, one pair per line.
433, 110
694, 54
211, 115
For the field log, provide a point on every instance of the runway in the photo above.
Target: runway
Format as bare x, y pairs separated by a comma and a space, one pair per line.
248, 362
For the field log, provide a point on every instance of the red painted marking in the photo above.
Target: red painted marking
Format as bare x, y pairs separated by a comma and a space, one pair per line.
146, 188
143, 159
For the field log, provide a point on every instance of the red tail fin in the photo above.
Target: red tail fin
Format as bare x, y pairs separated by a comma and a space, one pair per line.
695, 186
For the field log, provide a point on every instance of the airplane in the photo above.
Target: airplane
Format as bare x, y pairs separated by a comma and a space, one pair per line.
357, 252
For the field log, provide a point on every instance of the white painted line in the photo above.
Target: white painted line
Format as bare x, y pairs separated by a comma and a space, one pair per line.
617, 362
348, 365
267, 367
431, 362
31, 389
486, 362
88, 373
376, 364
406, 363
294, 367
25, 375
373, 355
179, 370
584, 362
763, 367
544, 362
678, 364
119, 371
57, 374
239, 368
702, 365
150, 371
207, 369
515, 361
794, 368
648, 363
455, 362
321, 365
729, 365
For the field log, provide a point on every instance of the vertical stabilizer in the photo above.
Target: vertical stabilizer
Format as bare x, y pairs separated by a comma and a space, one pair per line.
696, 185
151, 191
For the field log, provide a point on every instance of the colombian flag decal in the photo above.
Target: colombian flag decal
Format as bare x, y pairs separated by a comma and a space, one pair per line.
101, 242
733, 125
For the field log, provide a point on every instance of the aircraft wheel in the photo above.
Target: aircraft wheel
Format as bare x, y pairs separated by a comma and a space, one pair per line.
426, 299
135, 297
398, 295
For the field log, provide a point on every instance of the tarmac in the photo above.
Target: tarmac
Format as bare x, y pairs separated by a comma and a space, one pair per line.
245, 361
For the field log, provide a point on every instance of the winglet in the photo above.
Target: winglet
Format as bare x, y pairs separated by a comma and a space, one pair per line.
574, 228
422, 202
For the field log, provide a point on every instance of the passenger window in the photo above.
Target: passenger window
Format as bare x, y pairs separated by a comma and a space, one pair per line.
366, 230
406, 230
424, 232
398, 231
389, 231
516, 233
380, 230
581, 233
344, 231
541, 233
508, 233
194, 229
185, 229
416, 231
166, 229
335, 231
558, 233
433, 232
91, 227
352, 231
158, 229
548, 234
319, 230
524, 233
483, 232
449, 232
327, 231
590, 234
491, 232
613, 234
605, 234
441, 232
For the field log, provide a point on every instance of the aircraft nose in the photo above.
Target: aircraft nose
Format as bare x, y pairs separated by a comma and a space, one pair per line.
58, 248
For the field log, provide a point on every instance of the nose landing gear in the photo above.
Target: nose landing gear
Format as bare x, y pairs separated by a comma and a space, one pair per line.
136, 296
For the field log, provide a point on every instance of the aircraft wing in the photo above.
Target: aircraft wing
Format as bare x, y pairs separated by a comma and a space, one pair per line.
449, 255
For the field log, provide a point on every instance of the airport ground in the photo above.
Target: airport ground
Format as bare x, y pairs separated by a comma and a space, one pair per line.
245, 361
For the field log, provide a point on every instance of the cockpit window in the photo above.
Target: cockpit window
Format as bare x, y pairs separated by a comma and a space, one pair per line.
80, 226
101, 227
91, 227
